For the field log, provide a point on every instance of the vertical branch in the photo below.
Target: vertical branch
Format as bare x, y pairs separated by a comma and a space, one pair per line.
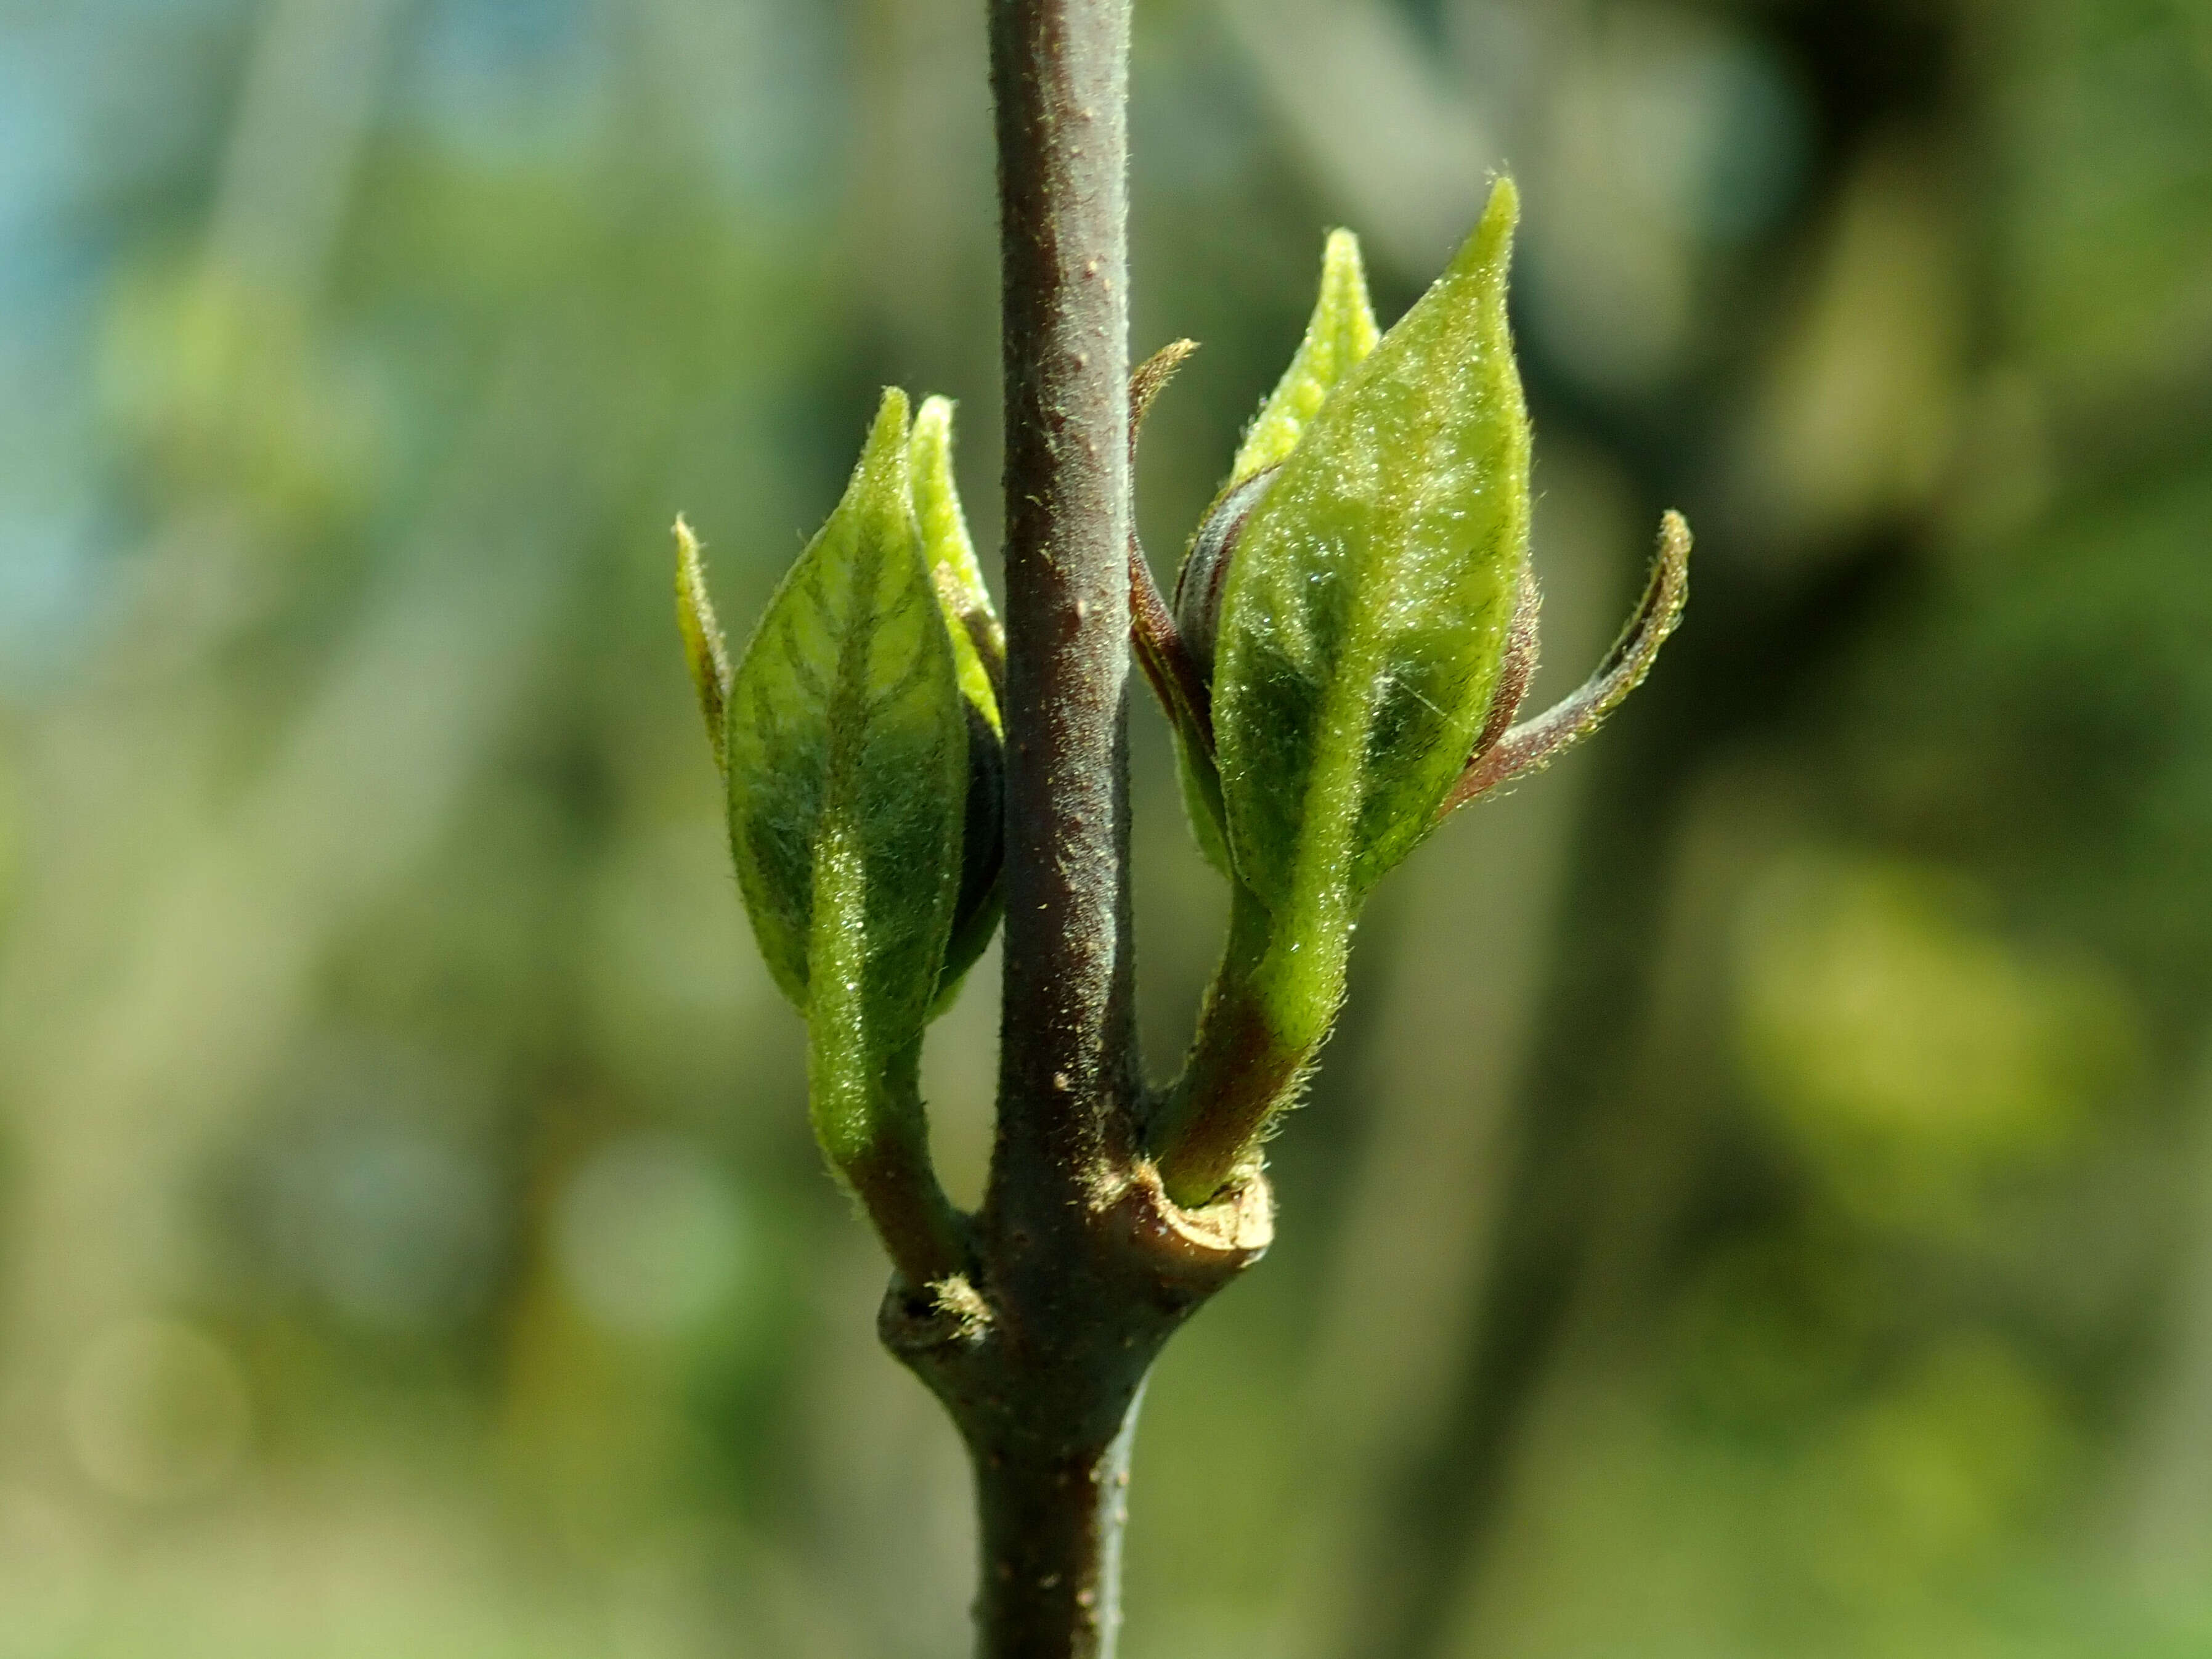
1060, 71
1051, 1528
1081, 1267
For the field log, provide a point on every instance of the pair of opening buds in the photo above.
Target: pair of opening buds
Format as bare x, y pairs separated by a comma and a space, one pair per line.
1351, 635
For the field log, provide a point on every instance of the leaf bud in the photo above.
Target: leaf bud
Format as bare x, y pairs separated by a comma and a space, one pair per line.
844, 736
1361, 601
1364, 620
1360, 597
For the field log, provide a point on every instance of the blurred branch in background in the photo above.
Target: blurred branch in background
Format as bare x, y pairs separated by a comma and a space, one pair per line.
130, 1083
105, 1132
1436, 1085
1389, 139
312, 82
2164, 1530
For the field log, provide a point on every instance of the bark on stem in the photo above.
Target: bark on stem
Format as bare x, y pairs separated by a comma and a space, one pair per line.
1049, 1433
1052, 1547
1060, 73
1080, 1267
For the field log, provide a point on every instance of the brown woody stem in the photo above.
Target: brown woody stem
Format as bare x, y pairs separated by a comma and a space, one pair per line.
1060, 71
1080, 1268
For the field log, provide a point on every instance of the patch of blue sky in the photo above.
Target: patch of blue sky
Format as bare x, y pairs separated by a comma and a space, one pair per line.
50, 467
50, 589
50, 273
508, 83
749, 88
44, 157
766, 103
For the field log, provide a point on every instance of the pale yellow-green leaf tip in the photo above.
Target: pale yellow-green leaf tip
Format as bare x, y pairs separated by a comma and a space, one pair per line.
932, 421
979, 642
706, 652
1339, 337
1489, 247
1344, 302
880, 490
887, 435
937, 503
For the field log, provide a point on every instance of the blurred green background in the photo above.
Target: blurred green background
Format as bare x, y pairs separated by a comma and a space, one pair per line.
1760, 1202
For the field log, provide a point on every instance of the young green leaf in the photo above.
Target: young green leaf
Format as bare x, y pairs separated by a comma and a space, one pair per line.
1367, 594
705, 652
979, 640
848, 763
1365, 619
979, 654
1338, 338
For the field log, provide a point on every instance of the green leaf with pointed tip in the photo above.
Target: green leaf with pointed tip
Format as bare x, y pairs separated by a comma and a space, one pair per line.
847, 749
705, 652
1339, 337
979, 642
1364, 618
979, 653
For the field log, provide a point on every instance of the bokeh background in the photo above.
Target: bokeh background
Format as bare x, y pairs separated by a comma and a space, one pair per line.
1760, 1202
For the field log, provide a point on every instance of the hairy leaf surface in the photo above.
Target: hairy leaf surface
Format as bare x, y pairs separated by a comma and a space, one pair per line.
1363, 620
846, 743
